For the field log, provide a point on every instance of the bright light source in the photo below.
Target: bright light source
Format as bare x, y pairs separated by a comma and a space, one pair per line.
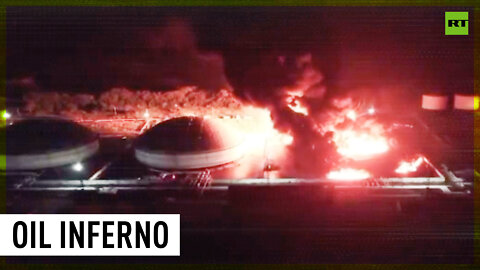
6, 115
360, 144
406, 167
348, 174
352, 115
287, 139
146, 114
476, 102
77, 167
371, 110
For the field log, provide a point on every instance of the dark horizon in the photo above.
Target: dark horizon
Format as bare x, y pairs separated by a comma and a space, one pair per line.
95, 48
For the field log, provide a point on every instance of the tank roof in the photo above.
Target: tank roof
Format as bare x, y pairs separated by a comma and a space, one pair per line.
44, 135
188, 135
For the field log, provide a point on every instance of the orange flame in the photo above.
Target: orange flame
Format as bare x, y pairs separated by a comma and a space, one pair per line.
406, 167
294, 102
261, 137
359, 144
308, 84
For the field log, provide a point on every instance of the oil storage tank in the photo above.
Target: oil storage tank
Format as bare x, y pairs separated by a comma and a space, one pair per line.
187, 143
40, 143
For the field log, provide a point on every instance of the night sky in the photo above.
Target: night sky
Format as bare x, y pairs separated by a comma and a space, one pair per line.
95, 48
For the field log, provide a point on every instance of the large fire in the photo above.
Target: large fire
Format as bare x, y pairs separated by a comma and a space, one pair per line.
356, 136
360, 144
351, 128
355, 139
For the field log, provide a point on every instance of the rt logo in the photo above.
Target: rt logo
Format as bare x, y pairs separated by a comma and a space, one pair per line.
456, 23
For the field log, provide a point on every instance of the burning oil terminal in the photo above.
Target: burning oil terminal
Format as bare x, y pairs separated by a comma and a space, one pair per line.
309, 134
293, 135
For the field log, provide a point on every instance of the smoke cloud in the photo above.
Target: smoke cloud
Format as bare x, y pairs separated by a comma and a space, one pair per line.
152, 57
169, 58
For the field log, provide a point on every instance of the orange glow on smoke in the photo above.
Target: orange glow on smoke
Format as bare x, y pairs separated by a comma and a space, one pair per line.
307, 85
348, 174
406, 167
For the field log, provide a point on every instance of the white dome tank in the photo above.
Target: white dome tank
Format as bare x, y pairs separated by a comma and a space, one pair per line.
40, 143
187, 143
